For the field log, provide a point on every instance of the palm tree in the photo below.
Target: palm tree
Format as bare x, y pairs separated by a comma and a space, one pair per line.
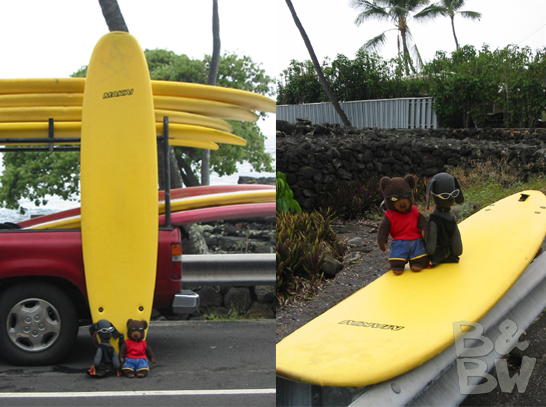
112, 15
213, 76
398, 12
316, 64
449, 8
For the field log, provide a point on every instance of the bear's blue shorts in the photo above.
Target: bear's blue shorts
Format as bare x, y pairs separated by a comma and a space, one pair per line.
407, 249
136, 364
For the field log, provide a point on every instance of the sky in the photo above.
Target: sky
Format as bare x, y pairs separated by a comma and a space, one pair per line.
331, 29
54, 38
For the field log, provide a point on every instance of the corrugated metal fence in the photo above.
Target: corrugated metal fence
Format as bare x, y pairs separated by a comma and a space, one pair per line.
406, 113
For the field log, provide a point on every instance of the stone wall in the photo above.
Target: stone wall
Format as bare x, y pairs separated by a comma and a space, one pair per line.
249, 235
314, 156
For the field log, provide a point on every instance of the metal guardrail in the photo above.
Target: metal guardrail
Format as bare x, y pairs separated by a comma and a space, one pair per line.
228, 269
405, 113
436, 382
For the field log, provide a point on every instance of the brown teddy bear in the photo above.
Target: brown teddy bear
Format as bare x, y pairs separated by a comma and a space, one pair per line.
134, 353
404, 223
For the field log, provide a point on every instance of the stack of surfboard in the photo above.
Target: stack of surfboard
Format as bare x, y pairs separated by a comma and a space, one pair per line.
196, 112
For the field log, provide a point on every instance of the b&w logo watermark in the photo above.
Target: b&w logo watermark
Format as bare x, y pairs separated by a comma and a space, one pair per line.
469, 364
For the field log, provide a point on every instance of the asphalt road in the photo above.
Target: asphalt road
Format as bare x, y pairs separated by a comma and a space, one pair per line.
198, 364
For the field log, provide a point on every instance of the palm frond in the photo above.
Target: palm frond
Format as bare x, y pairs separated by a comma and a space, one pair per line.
417, 57
431, 12
371, 11
375, 43
473, 15
453, 5
399, 10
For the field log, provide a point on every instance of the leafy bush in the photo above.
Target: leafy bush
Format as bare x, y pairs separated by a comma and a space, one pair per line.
368, 76
303, 240
469, 83
285, 196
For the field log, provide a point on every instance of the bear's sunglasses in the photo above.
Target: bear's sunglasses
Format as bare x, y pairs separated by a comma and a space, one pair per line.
447, 195
394, 197
136, 329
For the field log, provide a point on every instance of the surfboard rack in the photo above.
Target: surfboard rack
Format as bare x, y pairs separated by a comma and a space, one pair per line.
51, 140
437, 381
166, 170
162, 140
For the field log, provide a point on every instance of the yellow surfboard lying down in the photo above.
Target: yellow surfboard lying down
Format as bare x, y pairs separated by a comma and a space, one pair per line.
179, 134
397, 323
244, 99
209, 108
119, 183
181, 204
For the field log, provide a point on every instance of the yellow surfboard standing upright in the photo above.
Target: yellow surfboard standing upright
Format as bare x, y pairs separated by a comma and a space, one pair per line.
119, 182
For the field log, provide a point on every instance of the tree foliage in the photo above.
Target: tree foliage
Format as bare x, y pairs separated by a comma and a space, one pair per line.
467, 84
366, 77
34, 175
471, 83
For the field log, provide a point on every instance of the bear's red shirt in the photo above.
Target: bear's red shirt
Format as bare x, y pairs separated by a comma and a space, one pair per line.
404, 224
135, 350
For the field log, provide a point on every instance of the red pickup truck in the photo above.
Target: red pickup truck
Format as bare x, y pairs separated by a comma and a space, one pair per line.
43, 299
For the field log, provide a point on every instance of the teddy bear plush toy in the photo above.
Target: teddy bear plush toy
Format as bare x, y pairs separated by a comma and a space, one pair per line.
404, 223
134, 353
106, 360
444, 244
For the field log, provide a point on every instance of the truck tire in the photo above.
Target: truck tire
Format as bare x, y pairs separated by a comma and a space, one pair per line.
38, 324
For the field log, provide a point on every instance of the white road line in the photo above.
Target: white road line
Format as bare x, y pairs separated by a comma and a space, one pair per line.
136, 393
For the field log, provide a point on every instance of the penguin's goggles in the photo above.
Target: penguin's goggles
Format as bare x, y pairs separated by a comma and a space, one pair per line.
394, 198
447, 195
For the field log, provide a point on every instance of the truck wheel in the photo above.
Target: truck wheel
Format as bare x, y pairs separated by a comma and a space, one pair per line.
38, 324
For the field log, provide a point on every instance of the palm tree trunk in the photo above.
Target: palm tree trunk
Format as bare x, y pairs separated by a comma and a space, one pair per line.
320, 74
407, 56
453, 28
112, 15
115, 22
213, 75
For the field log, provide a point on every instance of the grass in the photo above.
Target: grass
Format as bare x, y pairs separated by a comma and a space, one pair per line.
486, 183
232, 315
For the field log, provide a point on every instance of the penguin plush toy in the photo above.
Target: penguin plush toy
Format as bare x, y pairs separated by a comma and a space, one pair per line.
444, 244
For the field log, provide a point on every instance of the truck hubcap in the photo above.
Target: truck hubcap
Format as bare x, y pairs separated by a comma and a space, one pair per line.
33, 325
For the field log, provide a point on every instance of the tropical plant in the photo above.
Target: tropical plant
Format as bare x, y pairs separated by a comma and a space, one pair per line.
302, 242
285, 196
398, 12
450, 8
316, 64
